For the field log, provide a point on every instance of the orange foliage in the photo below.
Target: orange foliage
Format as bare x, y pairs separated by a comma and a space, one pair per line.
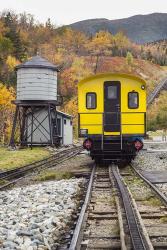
71, 108
71, 76
68, 87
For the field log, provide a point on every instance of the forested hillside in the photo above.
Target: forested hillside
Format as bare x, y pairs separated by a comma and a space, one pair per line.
77, 56
140, 28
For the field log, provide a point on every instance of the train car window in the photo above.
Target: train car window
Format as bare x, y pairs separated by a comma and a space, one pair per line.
112, 92
133, 100
91, 100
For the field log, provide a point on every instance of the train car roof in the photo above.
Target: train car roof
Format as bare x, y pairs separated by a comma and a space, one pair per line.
113, 74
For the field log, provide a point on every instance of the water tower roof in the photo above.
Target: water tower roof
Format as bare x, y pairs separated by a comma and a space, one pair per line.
38, 62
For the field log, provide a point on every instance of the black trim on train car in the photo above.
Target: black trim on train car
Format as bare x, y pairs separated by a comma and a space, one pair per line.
112, 107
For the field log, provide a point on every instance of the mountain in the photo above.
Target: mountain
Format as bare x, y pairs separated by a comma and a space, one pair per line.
140, 28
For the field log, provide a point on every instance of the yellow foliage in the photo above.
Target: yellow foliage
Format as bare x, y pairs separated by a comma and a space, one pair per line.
121, 40
3, 29
6, 112
11, 62
101, 43
60, 56
80, 68
70, 39
6, 96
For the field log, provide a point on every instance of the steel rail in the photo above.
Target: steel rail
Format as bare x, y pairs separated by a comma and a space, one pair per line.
135, 234
22, 170
21, 173
37, 163
137, 239
25, 170
20, 178
75, 242
156, 91
156, 190
120, 217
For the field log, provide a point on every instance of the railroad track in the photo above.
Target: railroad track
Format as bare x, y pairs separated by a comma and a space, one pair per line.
152, 186
109, 218
151, 206
14, 175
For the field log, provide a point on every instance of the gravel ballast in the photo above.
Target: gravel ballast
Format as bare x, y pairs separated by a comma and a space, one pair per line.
34, 217
153, 161
162, 188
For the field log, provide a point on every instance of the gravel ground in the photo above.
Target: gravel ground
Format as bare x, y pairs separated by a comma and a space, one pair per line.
162, 188
153, 161
81, 162
34, 217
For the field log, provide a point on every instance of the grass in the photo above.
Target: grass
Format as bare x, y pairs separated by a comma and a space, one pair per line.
147, 197
164, 67
16, 158
134, 182
164, 219
53, 175
3, 182
155, 202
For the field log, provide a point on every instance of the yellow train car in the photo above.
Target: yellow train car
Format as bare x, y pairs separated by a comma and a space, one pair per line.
112, 115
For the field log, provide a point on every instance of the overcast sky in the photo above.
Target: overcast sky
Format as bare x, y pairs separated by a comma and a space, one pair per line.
69, 11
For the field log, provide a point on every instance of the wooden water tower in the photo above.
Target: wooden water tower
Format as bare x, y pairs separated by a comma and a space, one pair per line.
36, 103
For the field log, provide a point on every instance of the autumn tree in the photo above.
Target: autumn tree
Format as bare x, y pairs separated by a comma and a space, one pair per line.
10, 21
71, 76
162, 111
129, 58
11, 63
157, 113
71, 107
121, 44
6, 112
6, 47
100, 45
70, 39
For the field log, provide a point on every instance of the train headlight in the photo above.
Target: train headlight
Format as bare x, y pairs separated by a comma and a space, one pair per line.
138, 145
88, 144
83, 132
142, 87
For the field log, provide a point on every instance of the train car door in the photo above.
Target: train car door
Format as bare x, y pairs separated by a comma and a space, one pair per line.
112, 104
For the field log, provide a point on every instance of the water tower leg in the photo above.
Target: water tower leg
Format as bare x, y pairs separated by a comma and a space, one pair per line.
12, 144
32, 120
50, 125
22, 126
